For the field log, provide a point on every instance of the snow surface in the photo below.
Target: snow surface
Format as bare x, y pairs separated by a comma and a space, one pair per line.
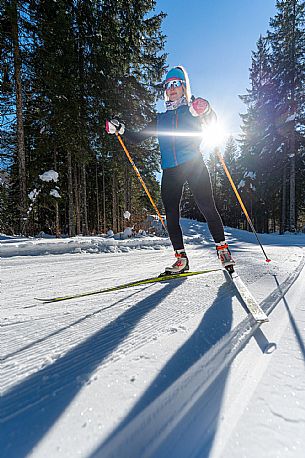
50, 175
168, 369
292, 117
34, 194
251, 175
55, 193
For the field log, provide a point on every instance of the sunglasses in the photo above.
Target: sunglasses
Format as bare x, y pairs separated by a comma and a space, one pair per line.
173, 83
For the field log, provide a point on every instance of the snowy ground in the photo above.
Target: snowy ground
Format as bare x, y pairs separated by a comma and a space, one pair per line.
169, 369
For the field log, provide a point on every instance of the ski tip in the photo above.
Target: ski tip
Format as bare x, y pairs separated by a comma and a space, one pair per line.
48, 300
268, 260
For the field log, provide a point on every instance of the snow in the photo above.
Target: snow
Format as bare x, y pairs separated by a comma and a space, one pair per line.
127, 232
251, 175
168, 369
4, 178
33, 194
55, 193
292, 117
50, 175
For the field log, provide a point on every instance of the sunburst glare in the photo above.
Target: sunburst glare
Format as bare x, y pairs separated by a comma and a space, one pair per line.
214, 135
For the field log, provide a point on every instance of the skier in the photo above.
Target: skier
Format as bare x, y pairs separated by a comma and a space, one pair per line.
179, 132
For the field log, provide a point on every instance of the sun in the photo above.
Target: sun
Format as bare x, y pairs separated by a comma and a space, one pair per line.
214, 134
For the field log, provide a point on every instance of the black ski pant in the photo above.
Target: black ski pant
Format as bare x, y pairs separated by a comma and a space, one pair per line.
196, 174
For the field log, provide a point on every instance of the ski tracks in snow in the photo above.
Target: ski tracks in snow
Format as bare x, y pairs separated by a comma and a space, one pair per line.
160, 430
49, 348
84, 334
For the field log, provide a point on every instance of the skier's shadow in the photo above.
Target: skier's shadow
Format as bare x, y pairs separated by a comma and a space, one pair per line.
215, 324
41, 397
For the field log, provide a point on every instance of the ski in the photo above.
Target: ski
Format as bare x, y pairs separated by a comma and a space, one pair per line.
161, 278
250, 302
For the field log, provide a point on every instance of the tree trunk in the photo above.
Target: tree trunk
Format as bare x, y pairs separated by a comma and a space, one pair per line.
114, 203
127, 194
85, 230
71, 225
82, 113
77, 200
284, 197
57, 221
292, 222
292, 142
104, 200
97, 199
19, 114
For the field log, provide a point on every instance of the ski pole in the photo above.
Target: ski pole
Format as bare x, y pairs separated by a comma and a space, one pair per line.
140, 178
240, 200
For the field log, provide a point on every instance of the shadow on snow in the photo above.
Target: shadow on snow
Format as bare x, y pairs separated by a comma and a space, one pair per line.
215, 324
42, 397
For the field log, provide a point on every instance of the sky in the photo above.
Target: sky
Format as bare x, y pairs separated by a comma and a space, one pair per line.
213, 40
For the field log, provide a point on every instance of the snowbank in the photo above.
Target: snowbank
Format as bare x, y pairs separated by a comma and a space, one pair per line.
195, 233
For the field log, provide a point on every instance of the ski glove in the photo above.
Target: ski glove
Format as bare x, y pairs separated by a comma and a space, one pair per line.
200, 107
113, 126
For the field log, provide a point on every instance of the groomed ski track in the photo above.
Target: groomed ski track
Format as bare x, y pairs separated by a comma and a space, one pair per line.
164, 370
178, 417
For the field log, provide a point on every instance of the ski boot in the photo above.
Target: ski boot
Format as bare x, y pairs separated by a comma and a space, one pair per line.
225, 257
181, 265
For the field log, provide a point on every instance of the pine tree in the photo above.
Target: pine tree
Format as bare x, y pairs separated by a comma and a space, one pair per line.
273, 126
93, 60
14, 23
83, 62
261, 146
228, 205
287, 40
134, 65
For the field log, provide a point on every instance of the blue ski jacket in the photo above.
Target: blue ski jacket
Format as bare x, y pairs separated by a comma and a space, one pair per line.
179, 135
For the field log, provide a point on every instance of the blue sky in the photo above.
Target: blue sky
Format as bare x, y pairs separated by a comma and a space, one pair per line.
213, 39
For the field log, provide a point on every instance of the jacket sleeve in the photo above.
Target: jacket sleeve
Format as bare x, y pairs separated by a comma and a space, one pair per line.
137, 137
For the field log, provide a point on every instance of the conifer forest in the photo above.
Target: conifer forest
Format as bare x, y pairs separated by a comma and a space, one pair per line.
68, 65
